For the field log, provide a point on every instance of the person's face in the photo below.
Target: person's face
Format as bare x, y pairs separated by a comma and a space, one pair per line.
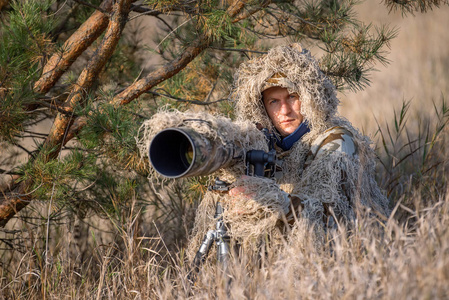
283, 109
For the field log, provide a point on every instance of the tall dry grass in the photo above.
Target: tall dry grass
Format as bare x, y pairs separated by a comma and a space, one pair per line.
404, 258
394, 261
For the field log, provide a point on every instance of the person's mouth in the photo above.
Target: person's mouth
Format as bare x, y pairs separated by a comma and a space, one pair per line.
287, 121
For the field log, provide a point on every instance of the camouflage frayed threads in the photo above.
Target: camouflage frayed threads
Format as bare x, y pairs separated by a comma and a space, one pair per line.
328, 174
332, 167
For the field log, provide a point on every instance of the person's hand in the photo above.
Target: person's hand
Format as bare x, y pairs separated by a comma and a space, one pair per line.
241, 190
257, 196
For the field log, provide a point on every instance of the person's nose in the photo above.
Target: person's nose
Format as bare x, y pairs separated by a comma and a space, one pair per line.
285, 108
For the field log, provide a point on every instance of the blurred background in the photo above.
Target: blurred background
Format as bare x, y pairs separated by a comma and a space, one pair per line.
418, 69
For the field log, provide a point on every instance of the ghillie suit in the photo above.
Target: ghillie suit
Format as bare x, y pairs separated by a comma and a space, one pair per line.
325, 178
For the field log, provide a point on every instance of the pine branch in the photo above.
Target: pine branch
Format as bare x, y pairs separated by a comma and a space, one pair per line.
412, 6
78, 42
13, 203
168, 70
249, 12
172, 68
90, 72
144, 85
33, 37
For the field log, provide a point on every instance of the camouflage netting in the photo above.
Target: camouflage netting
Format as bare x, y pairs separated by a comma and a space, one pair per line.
330, 170
299, 73
251, 218
317, 169
242, 134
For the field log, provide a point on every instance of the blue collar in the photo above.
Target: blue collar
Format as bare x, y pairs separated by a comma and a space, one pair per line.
287, 142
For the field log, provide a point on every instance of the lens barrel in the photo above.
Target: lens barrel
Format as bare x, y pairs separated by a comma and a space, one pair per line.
183, 152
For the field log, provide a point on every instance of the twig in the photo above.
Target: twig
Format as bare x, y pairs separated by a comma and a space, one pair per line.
8, 172
171, 33
210, 92
296, 16
143, 12
55, 107
169, 27
197, 102
30, 136
24, 149
239, 50
35, 133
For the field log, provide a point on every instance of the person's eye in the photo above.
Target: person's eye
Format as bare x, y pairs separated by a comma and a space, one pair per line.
272, 101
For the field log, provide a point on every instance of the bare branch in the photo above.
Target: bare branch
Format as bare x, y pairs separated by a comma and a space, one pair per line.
59, 62
196, 102
167, 71
8, 172
239, 50
143, 11
24, 149
58, 108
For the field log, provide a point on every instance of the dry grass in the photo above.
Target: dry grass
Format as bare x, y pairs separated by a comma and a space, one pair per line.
398, 261
406, 258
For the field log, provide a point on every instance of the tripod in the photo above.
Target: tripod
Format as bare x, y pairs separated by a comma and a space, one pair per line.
258, 163
219, 236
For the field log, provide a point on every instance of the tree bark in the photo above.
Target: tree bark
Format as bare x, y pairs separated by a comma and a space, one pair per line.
78, 42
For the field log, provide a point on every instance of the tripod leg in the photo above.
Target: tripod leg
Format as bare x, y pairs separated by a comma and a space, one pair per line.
222, 240
201, 254
221, 237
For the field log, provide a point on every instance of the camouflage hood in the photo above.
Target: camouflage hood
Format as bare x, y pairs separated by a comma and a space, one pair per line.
290, 67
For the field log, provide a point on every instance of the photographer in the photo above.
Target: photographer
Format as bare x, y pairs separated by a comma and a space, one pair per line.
324, 170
